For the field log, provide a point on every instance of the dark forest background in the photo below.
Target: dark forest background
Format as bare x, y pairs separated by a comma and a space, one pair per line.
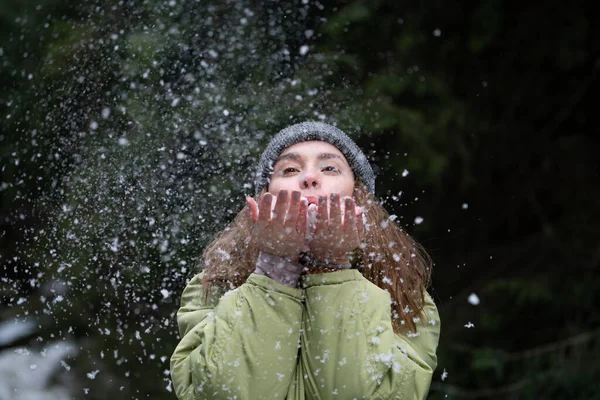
129, 131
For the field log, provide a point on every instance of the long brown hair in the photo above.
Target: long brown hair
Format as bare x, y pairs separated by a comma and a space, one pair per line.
390, 258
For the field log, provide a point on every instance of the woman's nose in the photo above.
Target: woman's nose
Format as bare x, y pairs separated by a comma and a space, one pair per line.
310, 180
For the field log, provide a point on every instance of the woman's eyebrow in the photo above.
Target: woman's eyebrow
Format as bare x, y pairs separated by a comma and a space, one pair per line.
327, 156
289, 156
297, 157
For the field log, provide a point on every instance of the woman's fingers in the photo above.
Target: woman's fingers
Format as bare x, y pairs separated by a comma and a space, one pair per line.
264, 211
322, 223
342, 233
301, 222
349, 216
331, 228
311, 226
283, 202
335, 211
252, 207
292, 213
280, 225
281, 220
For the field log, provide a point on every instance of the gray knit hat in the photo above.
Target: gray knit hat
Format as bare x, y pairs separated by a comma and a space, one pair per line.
312, 130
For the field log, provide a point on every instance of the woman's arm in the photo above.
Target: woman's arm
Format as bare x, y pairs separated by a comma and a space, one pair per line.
243, 345
349, 349
194, 306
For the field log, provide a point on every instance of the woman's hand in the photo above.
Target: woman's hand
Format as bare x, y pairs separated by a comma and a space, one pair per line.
333, 233
283, 233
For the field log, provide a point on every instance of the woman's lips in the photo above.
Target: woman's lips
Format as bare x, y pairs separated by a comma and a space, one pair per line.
312, 200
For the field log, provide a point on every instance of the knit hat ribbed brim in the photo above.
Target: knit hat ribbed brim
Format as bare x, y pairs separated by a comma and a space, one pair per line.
313, 130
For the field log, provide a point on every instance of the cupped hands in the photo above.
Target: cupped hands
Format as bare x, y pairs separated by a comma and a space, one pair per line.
328, 231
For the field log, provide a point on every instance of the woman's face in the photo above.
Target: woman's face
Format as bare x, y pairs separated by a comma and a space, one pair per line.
315, 169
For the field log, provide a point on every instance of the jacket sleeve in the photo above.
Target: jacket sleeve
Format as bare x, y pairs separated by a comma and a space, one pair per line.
194, 306
349, 349
242, 345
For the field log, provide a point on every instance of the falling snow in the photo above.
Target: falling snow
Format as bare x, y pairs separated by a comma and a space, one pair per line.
303, 50
473, 299
144, 152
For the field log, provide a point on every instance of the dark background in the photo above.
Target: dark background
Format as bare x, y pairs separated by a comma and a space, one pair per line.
129, 132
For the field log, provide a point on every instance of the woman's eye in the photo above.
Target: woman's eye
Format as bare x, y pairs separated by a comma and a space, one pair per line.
331, 168
289, 170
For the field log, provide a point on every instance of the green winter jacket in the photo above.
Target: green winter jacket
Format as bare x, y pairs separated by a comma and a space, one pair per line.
331, 340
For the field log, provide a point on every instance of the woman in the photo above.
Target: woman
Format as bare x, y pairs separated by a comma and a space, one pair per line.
313, 292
